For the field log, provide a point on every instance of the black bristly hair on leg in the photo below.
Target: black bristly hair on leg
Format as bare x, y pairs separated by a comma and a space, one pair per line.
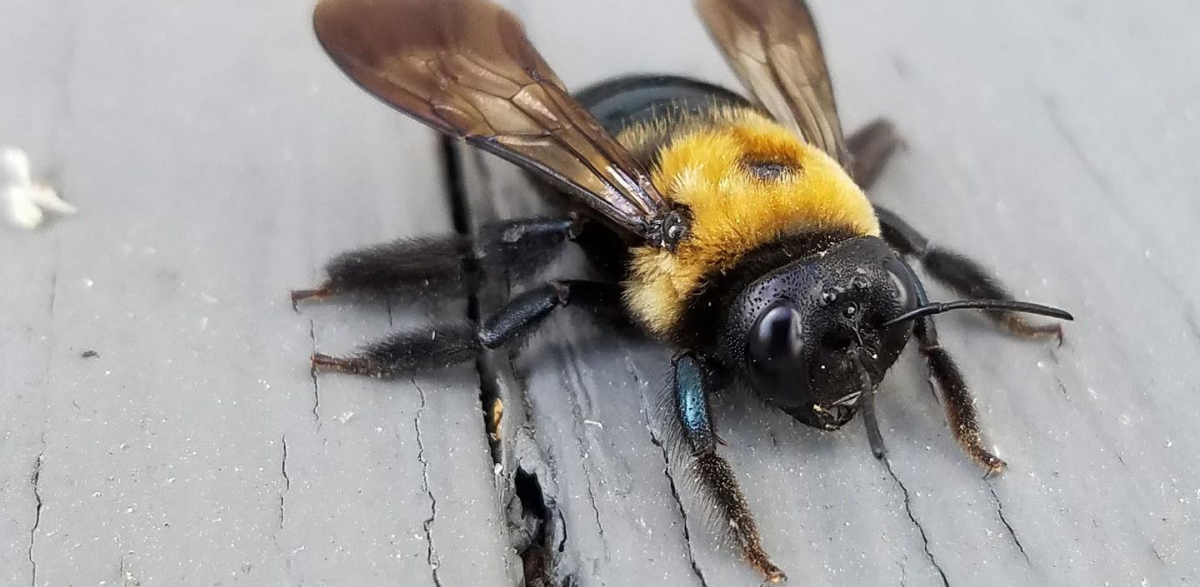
432, 267
446, 267
439, 347
970, 279
900, 234
709, 474
956, 397
961, 274
519, 249
402, 353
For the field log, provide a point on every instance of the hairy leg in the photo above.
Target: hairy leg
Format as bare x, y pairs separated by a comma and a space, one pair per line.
715, 479
441, 346
961, 274
957, 398
446, 266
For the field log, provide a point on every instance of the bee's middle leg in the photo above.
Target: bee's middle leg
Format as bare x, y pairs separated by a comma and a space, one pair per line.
441, 346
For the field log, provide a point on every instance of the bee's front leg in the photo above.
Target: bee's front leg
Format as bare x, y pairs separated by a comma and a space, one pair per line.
960, 405
716, 481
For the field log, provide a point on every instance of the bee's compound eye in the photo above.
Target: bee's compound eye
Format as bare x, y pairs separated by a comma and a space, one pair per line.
777, 335
903, 285
775, 355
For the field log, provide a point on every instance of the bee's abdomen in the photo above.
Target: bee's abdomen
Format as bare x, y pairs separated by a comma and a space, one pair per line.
638, 101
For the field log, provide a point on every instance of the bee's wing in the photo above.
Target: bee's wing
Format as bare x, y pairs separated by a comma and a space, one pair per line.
774, 48
465, 67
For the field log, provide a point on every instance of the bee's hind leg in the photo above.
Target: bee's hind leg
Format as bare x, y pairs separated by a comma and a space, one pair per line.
441, 346
716, 482
448, 266
960, 273
871, 147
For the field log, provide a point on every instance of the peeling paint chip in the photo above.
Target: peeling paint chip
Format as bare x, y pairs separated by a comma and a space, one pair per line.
25, 201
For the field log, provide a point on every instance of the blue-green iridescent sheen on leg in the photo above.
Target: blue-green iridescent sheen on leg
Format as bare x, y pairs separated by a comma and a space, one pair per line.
716, 481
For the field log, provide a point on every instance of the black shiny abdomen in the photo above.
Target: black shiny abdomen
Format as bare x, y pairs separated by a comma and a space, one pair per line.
628, 100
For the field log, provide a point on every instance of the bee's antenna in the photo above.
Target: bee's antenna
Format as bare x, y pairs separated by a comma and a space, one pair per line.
1006, 305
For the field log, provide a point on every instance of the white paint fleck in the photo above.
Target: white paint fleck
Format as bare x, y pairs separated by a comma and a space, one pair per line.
26, 201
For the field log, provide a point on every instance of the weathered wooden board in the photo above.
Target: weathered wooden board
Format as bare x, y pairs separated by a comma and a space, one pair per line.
219, 159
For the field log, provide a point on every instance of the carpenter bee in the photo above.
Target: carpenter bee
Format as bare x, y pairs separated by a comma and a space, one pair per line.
744, 237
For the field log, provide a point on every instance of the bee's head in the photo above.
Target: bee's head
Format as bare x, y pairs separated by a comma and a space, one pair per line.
802, 334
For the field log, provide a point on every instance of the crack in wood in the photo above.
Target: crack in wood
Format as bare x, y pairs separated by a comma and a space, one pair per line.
913, 518
287, 483
1157, 555
1003, 520
496, 377
1062, 387
430, 551
478, 295
570, 357
36, 476
667, 467
312, 373
34, 479
687, 536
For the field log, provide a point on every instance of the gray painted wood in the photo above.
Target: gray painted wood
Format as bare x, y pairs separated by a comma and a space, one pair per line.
218, 161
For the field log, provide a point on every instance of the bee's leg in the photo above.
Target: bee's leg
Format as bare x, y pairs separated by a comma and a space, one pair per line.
956, 396
870, 149
965, 276
446, 266
716, 481
439, 347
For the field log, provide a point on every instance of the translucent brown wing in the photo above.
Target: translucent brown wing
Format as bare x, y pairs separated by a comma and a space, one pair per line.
466, 68
774, 48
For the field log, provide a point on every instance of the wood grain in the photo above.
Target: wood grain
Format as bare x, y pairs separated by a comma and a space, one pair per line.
218, 161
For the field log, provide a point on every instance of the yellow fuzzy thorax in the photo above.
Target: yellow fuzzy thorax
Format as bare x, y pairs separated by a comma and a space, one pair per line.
733, 211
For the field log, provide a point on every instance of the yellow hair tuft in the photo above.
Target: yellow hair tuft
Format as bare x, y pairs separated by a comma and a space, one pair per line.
733, 210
